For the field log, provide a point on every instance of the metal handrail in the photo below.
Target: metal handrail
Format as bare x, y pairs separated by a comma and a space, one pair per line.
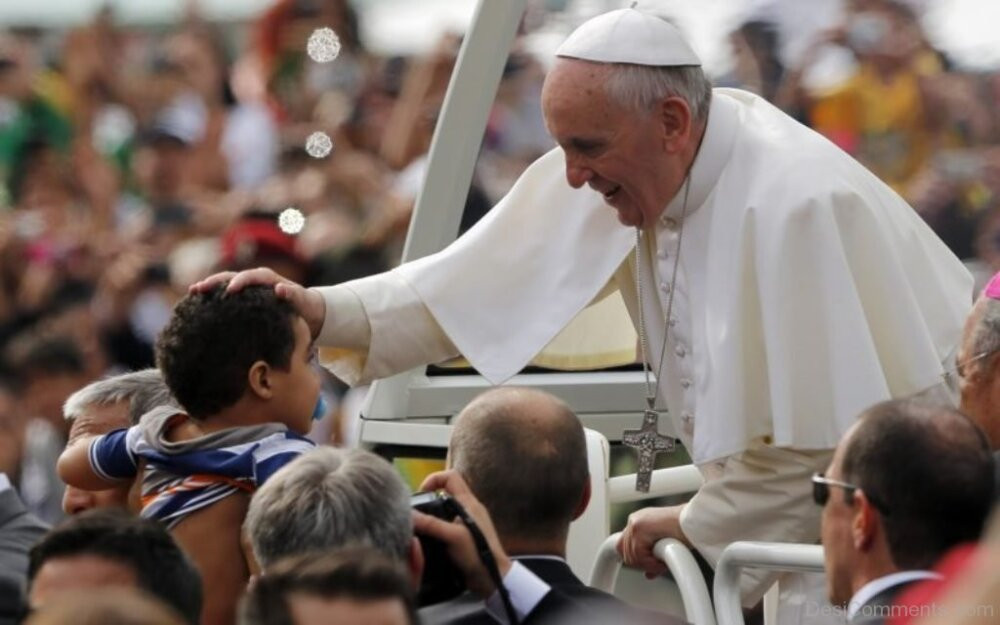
681, 564
760, 555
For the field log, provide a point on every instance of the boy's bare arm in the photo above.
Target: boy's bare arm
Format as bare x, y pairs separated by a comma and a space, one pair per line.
211, 537
75, 469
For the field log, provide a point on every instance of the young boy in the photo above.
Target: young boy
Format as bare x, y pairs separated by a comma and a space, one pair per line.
241, 364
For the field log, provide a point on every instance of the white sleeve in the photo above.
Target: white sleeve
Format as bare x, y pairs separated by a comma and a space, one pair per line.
378, 326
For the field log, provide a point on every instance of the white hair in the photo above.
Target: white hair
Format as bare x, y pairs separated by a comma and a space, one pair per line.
329, 498
642, 87
985, 333
143, 390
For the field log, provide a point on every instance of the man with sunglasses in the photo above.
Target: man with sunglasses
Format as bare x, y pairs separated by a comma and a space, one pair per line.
907, 482
977, 373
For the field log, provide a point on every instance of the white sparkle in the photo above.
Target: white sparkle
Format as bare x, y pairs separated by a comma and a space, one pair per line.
319, 144
291, 221
323, 45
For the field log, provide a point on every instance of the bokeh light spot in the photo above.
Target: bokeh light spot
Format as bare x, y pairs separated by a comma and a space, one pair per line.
323, 45
319, 144
291, 221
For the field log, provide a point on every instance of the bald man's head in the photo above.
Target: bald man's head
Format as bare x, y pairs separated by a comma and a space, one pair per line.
524, 455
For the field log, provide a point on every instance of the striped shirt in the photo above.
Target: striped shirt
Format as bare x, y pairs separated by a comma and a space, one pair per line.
181, 477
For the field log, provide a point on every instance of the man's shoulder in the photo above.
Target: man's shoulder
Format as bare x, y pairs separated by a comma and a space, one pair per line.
782, 162
879, 608
466, 609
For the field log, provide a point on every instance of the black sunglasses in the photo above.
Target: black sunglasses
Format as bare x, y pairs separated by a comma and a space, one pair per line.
821, 491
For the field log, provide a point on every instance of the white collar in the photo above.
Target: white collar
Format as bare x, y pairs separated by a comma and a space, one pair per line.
716, 144
877, 585
538, 557
4, 482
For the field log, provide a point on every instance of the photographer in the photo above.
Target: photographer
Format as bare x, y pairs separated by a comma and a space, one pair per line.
330, 498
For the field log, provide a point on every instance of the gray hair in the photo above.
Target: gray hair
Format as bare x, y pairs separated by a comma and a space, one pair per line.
329, 498
642, 87
143, 390
984, 336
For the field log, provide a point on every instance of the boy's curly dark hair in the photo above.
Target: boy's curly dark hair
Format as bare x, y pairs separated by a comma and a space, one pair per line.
213, 338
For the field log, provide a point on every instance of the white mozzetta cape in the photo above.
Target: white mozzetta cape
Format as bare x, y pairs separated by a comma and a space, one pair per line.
820, 290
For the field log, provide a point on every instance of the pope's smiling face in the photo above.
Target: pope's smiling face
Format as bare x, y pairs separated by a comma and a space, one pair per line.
629, 157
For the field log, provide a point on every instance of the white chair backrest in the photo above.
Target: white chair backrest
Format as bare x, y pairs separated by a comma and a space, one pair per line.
770, 556
587, 532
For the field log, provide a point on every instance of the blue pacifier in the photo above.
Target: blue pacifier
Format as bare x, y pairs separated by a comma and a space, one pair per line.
320, 410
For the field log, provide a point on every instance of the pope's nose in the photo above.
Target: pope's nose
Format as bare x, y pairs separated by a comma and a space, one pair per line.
577, 176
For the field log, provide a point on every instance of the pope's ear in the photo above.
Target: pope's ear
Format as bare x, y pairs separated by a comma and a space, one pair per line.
674, 116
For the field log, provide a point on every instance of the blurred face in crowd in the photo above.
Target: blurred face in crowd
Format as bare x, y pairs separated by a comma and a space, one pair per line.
631, 158
979, 380
160, 168
45, 393
882, 33
836, 534
11, 433
197, 64
95, 420
79, 572
15, 71
312, 610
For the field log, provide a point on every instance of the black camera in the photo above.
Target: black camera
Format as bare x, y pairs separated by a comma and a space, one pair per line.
441, 580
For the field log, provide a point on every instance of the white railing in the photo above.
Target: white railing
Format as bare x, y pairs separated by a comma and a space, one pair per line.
664, 482
760, 555
682, 566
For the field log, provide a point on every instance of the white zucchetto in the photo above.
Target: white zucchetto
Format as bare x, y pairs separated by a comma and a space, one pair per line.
629, 36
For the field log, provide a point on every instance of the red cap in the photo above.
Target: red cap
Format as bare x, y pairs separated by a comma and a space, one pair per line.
251, 239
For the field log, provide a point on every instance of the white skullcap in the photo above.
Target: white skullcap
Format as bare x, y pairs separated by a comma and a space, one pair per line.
629, 36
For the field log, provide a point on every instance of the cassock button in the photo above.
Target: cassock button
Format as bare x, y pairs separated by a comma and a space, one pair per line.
665, 287
685, 384
670, 223
672, 321
680, 351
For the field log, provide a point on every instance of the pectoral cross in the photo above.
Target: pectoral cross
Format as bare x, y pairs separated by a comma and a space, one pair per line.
648, 442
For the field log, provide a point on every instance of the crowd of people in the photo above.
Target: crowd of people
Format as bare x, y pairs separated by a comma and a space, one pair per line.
134, 162
182, 450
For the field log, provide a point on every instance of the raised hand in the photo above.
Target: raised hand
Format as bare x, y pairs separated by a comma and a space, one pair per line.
308, 302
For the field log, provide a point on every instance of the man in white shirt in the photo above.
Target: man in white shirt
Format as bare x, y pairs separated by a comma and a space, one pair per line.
805, 289
909, 481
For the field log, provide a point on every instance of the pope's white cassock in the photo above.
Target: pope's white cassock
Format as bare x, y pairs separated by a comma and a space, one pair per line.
807, 291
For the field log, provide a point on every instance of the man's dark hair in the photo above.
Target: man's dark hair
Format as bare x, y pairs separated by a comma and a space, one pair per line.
360, 574
929, 471
536, 495
143, 545
212, 340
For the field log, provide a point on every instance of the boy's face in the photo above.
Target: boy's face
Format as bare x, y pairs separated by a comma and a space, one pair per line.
298, 387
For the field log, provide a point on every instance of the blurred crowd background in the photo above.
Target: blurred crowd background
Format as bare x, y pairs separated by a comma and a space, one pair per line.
137, 158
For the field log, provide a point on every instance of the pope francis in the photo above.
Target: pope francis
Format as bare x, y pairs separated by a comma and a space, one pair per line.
779, 287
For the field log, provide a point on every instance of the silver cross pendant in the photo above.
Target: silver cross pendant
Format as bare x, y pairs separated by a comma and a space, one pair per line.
648, 442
